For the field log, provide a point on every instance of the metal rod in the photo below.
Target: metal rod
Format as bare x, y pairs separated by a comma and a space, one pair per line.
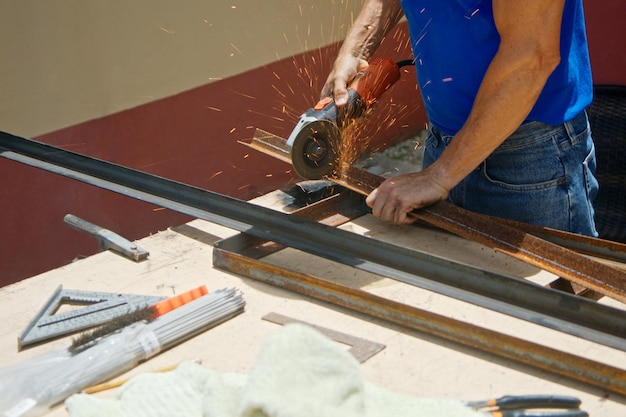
512, 296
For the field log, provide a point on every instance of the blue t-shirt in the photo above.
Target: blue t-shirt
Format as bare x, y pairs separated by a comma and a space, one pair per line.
453, 43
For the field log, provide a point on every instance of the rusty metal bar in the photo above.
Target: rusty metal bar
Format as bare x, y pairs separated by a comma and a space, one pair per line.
599, 248
556, 362
519, 298
270, 144
568, 264
276, 147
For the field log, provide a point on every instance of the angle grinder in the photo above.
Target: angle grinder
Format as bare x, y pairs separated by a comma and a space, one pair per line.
315, 141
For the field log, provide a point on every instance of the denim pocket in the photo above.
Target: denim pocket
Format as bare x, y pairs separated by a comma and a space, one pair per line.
591, 183
535, 165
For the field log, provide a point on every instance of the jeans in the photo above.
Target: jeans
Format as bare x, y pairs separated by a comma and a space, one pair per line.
541, 174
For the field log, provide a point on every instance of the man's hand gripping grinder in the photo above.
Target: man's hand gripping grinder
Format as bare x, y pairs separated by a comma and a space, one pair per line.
315, 142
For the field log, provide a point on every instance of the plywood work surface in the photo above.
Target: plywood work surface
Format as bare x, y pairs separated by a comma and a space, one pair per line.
181, 259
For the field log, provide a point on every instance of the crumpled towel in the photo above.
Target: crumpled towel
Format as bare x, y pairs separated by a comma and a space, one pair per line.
298, 373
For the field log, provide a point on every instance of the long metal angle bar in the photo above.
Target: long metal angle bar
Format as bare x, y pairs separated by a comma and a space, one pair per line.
557, 362
517, 243
517, 297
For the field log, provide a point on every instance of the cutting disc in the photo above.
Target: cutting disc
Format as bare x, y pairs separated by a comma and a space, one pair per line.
315, 149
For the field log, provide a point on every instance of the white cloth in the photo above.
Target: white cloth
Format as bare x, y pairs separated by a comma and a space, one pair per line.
299, 373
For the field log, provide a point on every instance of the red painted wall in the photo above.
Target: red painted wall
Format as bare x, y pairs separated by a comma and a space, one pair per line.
606, 31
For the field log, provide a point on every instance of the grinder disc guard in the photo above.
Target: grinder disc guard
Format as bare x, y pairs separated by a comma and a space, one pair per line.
314, 151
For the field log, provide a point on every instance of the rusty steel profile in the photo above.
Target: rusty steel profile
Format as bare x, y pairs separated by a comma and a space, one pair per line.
275, 146
596, 374
502, 237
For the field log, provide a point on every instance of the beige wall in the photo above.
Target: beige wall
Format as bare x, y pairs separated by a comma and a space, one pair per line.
68, 61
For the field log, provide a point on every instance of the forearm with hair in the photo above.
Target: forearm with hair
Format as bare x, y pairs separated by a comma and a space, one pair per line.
375, 20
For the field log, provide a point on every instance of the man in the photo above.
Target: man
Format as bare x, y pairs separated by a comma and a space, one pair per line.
504, 84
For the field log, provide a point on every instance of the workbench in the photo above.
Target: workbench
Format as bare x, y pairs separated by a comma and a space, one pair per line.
411, 362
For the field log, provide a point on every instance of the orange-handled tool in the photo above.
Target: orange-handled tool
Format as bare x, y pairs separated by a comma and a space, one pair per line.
170, 304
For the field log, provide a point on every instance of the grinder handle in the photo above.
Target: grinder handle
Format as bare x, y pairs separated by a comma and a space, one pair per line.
365, 89
371, 83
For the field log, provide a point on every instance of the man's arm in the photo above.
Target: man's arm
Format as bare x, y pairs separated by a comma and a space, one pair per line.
374, 21
527, 55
